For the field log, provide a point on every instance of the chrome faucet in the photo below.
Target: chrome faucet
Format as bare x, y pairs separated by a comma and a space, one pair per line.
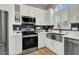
59, 27
60, 30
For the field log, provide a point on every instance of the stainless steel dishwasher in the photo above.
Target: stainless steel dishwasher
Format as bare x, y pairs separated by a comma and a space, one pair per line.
71, 46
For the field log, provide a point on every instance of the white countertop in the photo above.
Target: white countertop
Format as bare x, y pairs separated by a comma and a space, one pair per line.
15, 33
72, 36
69, 35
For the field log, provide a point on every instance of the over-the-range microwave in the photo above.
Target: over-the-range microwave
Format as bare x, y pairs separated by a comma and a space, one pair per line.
28, 19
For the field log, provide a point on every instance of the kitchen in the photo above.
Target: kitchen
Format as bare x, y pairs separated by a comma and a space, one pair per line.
31, 27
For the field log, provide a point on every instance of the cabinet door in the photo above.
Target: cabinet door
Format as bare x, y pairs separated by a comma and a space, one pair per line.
32, 11
43, 17
17, 14
58, 47
50, 16
12, 45
24, 10
15, 46
37, 14
18, 44
51, 19
40, 16
41, 40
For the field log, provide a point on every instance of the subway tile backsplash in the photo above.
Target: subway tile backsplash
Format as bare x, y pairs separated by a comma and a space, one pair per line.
16, 27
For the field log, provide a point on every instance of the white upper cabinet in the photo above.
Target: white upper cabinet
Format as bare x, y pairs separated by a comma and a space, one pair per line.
17, 14
50, 16
44, 18
32, 11
37, 15
40, 16
24, 10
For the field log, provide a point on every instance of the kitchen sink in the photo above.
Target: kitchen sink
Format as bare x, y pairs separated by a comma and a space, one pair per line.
55, 36
56, 33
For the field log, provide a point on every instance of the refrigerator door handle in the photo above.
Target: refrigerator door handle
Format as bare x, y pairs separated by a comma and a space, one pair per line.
2, 44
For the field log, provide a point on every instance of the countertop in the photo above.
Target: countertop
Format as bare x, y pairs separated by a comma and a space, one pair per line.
16, 33
72, 36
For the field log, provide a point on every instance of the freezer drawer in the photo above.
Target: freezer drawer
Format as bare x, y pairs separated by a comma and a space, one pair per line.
3, 49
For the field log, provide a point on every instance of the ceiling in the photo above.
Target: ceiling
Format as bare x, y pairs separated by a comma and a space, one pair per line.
43, 6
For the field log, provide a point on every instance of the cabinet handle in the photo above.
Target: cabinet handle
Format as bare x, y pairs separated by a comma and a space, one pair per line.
18, 32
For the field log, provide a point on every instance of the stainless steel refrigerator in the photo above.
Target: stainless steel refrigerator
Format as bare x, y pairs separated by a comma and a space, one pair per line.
3, 32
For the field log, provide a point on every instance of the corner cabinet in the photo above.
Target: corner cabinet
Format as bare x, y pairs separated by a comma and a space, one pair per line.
49, 43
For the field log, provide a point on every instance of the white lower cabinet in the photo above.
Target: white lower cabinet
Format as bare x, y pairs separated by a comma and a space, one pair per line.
49, 44
11, 46
58, 47
17, 44
41, 40
55, 46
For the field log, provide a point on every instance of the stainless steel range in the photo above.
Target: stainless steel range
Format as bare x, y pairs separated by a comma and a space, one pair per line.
29, 35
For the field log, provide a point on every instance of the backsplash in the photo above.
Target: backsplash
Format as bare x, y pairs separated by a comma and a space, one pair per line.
16, 27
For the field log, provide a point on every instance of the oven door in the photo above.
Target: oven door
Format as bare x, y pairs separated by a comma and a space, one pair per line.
30, 42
